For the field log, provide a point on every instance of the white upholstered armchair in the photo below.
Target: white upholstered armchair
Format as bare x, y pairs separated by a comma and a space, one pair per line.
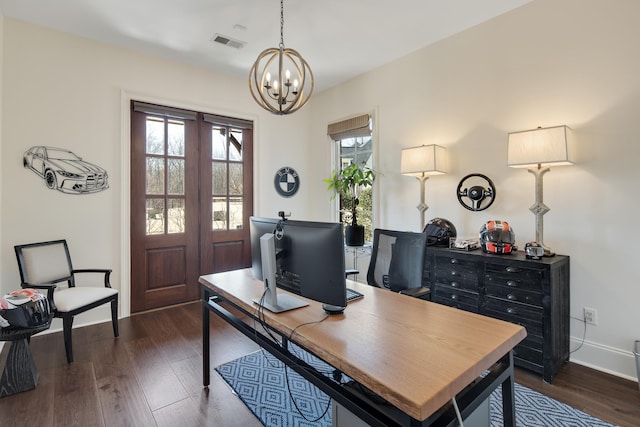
47, 265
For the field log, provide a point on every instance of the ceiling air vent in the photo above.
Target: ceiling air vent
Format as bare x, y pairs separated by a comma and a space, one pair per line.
228, 41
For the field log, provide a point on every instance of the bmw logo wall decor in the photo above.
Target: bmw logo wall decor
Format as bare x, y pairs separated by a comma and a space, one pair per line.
287, 181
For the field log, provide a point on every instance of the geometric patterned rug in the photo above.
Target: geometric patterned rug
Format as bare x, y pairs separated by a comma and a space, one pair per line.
280, 397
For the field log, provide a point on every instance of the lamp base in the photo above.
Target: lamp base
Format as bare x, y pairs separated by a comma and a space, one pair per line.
548, 253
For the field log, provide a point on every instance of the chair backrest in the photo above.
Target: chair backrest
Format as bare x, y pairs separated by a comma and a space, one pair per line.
44, 262
397, 259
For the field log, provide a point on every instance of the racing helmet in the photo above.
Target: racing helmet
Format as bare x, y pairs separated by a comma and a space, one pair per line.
24, 308
439, 231
497, 237
533, 250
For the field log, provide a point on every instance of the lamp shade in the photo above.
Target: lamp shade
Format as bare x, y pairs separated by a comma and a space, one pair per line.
423, 160
552, 146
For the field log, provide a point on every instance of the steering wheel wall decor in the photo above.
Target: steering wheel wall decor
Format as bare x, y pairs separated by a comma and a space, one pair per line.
478, 189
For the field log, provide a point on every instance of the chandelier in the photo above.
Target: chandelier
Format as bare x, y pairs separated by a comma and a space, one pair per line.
280, 80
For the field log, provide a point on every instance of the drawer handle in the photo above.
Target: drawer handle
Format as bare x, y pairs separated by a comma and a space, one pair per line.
512, 310
454, 261
512, 284
454, 297
511, 269
512, 297
454, 284
454, 273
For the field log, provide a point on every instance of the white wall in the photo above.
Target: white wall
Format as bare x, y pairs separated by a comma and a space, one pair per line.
547, 63
70, 92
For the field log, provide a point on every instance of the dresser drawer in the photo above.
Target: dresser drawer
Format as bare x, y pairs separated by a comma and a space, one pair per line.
457, 273
530, 349
453, 297
457, 282
525, 315
461, 267
514, 294
528, 354
514, 277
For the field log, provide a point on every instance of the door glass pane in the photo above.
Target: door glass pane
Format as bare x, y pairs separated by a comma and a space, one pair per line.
175, 216
155, 216
235, 145
155, 175
175, 137
155, 135
219, 209
219, 176
175, 177
235, 179
219, 143
235, 213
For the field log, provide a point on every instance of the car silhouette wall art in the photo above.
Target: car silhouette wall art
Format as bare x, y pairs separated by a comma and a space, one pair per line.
62, 170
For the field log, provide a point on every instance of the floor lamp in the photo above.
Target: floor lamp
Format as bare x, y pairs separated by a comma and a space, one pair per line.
421, 162
537, 149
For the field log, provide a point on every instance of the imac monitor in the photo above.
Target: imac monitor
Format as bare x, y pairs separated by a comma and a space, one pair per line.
309, 259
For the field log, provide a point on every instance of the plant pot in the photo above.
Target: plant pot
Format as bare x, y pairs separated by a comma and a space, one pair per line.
354, 235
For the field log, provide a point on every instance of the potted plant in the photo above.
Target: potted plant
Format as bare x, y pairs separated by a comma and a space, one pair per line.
348, 183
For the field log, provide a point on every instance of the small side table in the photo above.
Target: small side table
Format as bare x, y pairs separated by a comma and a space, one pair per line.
20, 373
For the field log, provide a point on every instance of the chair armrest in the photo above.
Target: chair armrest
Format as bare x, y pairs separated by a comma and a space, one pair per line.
422, 292
351, 271
47, 286
105, 271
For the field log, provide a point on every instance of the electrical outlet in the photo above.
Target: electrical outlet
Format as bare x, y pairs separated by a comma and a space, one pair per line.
591, 316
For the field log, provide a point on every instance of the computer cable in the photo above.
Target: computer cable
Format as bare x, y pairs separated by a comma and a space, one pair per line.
292, 349
326, 409
458, 415
259, 314
262, 321
584, 334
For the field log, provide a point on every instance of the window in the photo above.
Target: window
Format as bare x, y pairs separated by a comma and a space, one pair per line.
165, 156
227, 174
354, 145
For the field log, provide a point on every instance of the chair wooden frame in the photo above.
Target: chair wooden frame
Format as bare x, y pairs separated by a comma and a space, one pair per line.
52, 284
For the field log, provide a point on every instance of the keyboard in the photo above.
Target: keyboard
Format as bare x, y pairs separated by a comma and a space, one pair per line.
353, 295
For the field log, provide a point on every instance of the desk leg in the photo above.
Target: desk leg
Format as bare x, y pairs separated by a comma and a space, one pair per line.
20, 373
508, 397
206, 370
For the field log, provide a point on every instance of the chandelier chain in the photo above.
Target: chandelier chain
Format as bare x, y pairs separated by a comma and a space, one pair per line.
281, 23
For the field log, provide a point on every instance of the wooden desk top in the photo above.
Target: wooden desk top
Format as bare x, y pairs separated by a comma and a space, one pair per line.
414, 353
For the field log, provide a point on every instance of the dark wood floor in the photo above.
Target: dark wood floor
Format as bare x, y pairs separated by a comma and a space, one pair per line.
152, 376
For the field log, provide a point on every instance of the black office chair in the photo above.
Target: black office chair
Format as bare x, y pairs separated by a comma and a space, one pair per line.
397, 262
47, 265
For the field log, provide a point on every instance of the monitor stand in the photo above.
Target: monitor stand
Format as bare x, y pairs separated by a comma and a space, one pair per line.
285, 302
332, 309
272, 300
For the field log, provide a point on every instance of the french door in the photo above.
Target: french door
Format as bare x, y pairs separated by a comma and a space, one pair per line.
191, 197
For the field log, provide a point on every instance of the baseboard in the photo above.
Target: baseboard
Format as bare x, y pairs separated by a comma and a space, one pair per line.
604, 358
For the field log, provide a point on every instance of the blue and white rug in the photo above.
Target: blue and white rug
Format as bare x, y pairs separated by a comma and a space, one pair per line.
273, 393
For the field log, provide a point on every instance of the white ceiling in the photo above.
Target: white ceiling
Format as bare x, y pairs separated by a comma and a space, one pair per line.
340, 39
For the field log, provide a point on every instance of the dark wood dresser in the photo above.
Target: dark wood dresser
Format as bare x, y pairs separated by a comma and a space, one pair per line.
531, 293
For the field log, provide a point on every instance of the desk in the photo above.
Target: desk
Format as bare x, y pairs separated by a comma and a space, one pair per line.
415, 354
